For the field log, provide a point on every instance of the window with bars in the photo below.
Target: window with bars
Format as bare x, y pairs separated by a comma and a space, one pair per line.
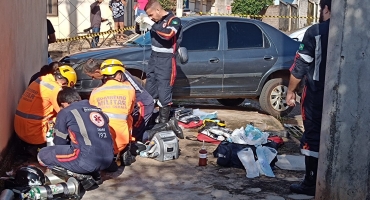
52, 7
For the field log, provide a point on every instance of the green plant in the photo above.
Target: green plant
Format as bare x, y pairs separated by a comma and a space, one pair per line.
249, 7
168, 4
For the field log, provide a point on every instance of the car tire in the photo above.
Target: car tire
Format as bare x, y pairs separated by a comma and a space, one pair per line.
272, 98
231, 102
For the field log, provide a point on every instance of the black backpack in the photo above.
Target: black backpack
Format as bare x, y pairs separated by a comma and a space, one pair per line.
226, 153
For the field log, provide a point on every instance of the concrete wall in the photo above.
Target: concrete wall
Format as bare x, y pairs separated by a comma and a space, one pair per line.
23, 51
74, 16
283, 9
272, 11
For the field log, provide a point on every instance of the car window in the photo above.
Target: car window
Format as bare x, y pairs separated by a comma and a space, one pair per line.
204, 36
243, 35
144, 39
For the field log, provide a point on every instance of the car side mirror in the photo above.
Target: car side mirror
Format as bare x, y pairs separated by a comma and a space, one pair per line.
183, 55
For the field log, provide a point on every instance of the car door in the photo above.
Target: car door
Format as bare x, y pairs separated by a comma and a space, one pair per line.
248, 55
202, 75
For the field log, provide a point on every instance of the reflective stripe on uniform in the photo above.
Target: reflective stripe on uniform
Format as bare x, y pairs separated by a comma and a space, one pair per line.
307, 152
316, 73
162, 50
306, 58
133, 83
116, 116
41, 82
172, 28
82, 126
28, 116
115, 87
60, 134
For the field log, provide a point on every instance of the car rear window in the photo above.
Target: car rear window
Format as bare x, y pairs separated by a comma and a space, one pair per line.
243, 35
204, 36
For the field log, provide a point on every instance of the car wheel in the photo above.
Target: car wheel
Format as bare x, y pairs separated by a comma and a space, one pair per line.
272, 98
231, 102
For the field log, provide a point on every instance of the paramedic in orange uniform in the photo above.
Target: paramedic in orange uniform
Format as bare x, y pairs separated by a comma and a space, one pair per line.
116, 97
38, 105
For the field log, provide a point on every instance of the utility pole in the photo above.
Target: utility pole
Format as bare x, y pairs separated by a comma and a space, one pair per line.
344, 160
179, 8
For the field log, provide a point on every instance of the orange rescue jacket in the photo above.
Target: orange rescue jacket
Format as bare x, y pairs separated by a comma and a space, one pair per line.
36, 107
117, 100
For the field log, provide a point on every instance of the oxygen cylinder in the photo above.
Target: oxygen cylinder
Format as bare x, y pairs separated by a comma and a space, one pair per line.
71, 187
203, 156
7, 195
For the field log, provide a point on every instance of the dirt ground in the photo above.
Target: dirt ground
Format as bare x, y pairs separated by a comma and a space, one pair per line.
183, 179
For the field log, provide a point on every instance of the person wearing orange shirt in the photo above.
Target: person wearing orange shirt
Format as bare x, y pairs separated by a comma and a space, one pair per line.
38, 105
116, 98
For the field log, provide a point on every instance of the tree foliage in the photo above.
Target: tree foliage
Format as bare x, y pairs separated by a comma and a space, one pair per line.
249, 7
168, 4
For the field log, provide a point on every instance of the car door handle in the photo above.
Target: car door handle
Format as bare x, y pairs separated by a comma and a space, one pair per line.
268, 57
214, 60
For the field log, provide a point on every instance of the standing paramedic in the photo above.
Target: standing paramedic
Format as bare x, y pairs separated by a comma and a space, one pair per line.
310, 62
38, 105
166, 35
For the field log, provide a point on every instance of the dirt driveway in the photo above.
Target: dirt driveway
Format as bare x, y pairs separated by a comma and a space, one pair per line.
183, 179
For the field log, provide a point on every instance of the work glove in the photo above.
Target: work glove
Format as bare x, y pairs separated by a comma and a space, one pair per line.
147, 20
138, 19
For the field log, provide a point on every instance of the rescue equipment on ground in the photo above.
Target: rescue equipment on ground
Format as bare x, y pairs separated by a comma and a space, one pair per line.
67, 189
164, 146
29, 176
203, 156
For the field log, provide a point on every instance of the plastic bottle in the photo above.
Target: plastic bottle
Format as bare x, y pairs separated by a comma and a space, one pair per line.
50, 134
203, 156
246, 156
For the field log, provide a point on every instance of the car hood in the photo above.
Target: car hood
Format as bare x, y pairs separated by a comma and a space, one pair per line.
127, 53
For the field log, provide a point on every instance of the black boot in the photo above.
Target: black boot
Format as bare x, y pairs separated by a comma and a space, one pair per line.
164, 114
308, 185
174, 126
157, 128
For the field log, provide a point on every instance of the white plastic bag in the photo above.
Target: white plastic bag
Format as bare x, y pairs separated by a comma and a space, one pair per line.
238, 136
246, 156
255, 136
264, 156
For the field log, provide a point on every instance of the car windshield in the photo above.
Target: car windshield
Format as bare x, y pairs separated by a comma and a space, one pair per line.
142, 40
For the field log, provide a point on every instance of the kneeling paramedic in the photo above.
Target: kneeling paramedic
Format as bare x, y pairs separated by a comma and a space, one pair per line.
166, 36
38, 105
116, 97
144, 104
82, 140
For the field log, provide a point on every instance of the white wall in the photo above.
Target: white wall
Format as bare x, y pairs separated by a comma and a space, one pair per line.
23, 51
74, 16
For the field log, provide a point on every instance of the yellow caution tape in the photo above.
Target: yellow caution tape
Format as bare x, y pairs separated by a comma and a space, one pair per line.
257, 16
91, 35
